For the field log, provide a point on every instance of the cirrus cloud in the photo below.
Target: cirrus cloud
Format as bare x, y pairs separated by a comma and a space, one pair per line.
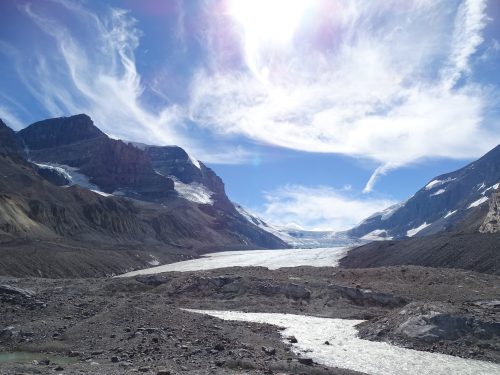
391, 84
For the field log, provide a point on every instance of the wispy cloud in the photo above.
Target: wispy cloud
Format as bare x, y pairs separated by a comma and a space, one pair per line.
95, 71
318, 208
391, 83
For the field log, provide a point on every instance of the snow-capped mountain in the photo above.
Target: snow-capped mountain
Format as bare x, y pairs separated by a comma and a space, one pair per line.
440, 205
300, 238
70, 151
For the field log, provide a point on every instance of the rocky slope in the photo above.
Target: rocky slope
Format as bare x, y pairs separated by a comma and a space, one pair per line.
74, 219
126, 326
440, 205
491, 223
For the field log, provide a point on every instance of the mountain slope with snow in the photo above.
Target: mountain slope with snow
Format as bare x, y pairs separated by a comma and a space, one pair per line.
299, 238
441, 204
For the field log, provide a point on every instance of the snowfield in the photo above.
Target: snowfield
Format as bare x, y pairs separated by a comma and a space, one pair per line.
349, 352
272, 259
479, 202
414, 231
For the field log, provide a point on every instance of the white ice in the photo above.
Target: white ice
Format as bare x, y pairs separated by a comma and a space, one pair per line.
272, 259
193, 192
195, 162
349, 352
450, 213
479, 202
414, 231
493, 187
439, 192
101, 193
435, 183
376, 235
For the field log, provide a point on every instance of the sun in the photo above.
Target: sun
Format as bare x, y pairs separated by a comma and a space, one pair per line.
271, 21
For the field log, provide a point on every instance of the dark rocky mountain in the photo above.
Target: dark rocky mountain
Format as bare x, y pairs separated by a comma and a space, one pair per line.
9, 143
453, 222
173, 161
442, 204
112, 165
105, 233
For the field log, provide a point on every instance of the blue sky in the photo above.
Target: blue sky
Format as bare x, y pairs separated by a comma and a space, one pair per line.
314, 112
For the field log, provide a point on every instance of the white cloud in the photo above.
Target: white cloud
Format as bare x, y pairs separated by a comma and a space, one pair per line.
318, 208
94, 71
10, 119
391, 84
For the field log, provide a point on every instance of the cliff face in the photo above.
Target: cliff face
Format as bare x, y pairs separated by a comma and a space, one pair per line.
491, 222
110, 164
9, 144
34, 208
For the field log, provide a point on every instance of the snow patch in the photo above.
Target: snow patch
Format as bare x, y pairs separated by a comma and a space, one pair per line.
154, 261
481, 186
385, 214
414, 231
271, 259
439, 192
435, 183
194, 192
376, 235
101, 193
348, 351
479, 202
195, 162
73, 174
493, 187
449, 213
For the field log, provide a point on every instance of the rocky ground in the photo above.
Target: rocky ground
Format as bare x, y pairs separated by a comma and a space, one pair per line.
136, 325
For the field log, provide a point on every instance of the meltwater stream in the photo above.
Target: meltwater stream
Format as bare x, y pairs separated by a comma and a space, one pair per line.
348, 351
272, 259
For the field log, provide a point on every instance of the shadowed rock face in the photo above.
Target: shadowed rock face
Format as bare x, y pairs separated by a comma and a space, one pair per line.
59, 132
9, 143
110, 164
174, 161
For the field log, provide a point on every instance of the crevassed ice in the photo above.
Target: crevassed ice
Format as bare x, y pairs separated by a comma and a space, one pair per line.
57, 168
272, 259
414, 231
73, 174
348, 351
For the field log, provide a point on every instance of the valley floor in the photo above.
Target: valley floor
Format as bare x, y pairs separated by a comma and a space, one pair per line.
138, 324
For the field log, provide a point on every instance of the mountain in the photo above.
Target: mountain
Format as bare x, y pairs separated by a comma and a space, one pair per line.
136, 216
452, 222
9, 143
300, 238
77, 145
442, 204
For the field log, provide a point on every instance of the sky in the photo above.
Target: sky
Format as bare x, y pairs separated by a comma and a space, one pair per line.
315, 113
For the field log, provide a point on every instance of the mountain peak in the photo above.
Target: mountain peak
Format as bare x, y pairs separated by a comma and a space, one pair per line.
60, 131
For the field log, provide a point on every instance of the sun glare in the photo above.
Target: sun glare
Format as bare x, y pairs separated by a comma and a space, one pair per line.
274, 21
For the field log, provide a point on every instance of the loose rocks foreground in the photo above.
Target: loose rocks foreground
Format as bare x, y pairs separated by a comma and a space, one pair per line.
121, 326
